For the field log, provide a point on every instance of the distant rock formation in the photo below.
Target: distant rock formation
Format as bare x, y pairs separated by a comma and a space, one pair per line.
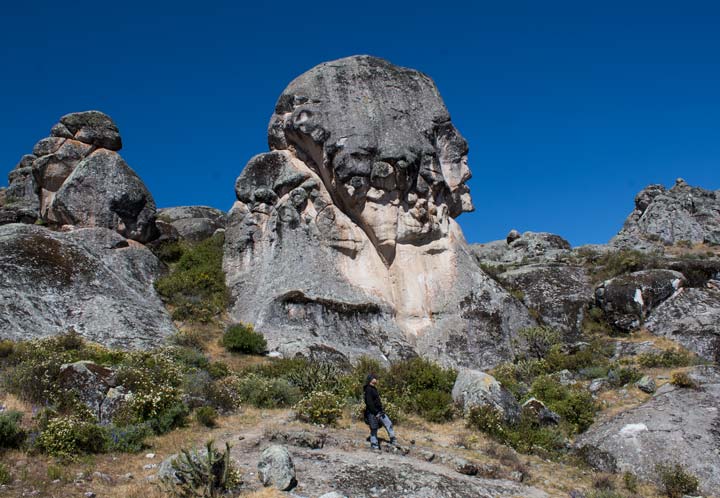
343, 241
76, 177
192, 223
662, 216
89, 279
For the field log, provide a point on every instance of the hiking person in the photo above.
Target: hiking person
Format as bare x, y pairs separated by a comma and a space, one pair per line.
374, 413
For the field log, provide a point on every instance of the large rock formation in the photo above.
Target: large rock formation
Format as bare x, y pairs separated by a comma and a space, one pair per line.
343, 238
662, 216
91, 279
677, 425
192, 223
76, 177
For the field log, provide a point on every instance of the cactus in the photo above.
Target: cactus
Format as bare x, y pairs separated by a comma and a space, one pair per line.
198, 475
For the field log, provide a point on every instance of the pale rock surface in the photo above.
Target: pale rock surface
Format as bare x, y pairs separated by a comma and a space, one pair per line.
667, 216
677, 425
92, 280
530, 247
474, 388
342, 241
627, 300
276, 468
691, 318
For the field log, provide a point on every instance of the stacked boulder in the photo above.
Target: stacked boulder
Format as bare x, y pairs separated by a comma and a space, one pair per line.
76, 177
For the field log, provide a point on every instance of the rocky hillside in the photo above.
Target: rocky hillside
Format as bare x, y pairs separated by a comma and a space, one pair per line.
518, 367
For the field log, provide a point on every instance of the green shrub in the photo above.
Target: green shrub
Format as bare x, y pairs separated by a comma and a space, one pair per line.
188, 358
128, 439
595, 323
489, 420
539, 340
676, 481
201, 474
266, 393
189, 339
605, 493
612, 264
433, 406
306, 375
418, 374
170, 251
682, 379
5, 476
6, 348
322, 407
595, 354
68, 437
575, 406
622, 376
218, 370
224, 394
666, 359
11, 434
242, 338
195, 287
207, 416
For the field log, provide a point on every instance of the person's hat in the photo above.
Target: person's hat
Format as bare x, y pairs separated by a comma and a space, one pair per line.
370, 377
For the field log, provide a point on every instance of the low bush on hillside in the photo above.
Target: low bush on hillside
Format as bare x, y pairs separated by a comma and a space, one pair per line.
682, 379
242, 338
207, 416
539, 340
12, 434
195, 286
676, 481
666, 359
575, 405
614, 263
320, 407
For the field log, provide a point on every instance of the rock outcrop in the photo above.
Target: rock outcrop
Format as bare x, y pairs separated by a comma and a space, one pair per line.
668, 216
691, 318
76, 177
529, 247
343, 240
92, 279
193, 223
677, 425
474, 388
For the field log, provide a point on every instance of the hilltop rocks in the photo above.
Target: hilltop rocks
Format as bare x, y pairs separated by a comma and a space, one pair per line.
474, 388
193, 223
677, 425
662, 216
92, 280
691, 318
75, 177
342, 241
530, 247
628, 299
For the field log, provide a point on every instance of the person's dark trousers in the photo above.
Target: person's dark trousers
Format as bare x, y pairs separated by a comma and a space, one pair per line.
374, 421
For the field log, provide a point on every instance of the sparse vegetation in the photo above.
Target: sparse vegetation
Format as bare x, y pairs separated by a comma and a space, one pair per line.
682, 379
539, 340
207, 416
666, 359
677, 481
195, 287
321, 407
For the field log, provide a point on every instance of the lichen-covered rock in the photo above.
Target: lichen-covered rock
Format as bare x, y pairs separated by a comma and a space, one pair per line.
691, 318
559, 293
627, 300
90, 127
342, 241
94, 386
677, 425
276, 468
662, 216
193, 223
90, 279
474, 388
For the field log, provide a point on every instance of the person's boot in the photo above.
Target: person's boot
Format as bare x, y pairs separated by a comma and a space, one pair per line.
375, 447
393, 440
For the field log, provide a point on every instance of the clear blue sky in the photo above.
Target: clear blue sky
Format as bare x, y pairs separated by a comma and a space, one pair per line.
569, 108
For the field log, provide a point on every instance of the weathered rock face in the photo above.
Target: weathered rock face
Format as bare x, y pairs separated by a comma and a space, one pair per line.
193, 223
474, 388
662, 216
92, 280
530, 247
559, 293
692, 318
276, 468
628, 299
75, 177
677, 425
94, 385
342, 240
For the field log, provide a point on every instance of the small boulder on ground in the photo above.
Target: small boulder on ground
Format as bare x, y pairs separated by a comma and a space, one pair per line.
475, 388
276, 468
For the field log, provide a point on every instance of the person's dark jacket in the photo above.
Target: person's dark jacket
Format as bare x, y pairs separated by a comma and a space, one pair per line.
372, 400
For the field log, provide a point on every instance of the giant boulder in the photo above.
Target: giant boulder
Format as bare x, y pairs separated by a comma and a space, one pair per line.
342, 240
92, 280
